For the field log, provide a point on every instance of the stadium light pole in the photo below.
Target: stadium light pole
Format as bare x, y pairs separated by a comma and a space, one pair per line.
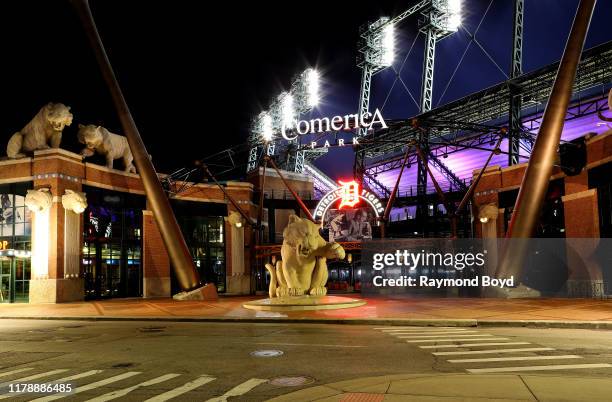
377, 52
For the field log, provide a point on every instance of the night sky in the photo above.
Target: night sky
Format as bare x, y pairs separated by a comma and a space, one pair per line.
194, 74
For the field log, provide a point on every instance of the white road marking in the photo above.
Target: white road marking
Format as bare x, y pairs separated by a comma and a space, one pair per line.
464, 345
448, 333
63, 380
441, 336
475, 352
21, 370
88, 387
122, 392
421, 328
173, 393
30, 378
456, 340
508, 359
238, 390
77, 376
307, 344
39, 375
540, 368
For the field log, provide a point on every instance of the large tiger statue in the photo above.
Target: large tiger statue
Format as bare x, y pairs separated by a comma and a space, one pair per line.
43, 132
111, 146
303, 268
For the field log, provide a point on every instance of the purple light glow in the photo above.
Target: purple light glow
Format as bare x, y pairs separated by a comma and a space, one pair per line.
464, 163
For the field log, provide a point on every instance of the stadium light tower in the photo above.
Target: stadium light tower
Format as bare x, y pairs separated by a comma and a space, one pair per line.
441, 18
303, 96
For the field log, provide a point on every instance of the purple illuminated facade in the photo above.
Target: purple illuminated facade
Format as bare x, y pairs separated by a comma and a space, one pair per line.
463, 163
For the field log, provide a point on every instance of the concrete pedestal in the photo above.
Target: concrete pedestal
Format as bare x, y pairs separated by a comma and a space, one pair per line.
303, 303
206, 292
593, 289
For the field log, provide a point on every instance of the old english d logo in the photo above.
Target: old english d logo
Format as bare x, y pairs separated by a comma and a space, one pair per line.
349, 194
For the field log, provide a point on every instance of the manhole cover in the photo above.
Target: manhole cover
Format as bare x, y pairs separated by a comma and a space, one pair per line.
267, 353
122, 365
292, 381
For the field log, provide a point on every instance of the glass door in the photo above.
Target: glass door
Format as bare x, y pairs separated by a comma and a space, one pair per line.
5, 279
112, 252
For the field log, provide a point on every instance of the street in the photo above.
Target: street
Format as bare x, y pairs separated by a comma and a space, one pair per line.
136, 361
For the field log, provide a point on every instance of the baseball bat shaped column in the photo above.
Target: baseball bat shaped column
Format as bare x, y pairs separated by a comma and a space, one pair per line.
537, 175
186, 273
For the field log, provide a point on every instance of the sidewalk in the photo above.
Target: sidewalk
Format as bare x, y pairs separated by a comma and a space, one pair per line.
457, 387
575, 313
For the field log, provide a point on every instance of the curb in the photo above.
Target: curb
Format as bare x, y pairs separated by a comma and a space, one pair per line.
343, 321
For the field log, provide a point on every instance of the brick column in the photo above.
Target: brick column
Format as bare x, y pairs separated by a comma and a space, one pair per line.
155, 260
56, 170
581, 212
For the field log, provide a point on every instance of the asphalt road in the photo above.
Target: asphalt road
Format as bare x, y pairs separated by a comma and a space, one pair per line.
202, 361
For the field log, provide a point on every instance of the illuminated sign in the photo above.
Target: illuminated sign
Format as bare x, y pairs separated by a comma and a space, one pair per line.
336, 123
349, 194
4, 245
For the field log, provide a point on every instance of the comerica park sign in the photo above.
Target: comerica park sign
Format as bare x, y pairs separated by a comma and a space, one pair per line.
337, 123
349, 194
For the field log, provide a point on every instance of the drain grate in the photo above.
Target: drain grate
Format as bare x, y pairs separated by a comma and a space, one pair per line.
152, 329
292, 381
267, 353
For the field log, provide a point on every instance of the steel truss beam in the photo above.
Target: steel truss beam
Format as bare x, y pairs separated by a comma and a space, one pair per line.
376, 186
447, 173
492, 104
516, 70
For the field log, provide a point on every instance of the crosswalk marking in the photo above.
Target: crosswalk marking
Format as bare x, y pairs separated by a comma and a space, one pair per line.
463, 340
514, 358
63, 380
122, 392
474, 352
385, 329
424, 331
238, 390
88, 387
182, 389
441, 336
455, 340
465, 345
78, 376
446, 333
30, 378
39, 375
540, 368
21, 370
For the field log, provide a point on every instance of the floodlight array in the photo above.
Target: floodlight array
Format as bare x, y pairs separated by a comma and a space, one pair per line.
312, 87
301, 98
453, 11
388, 45
287, 109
